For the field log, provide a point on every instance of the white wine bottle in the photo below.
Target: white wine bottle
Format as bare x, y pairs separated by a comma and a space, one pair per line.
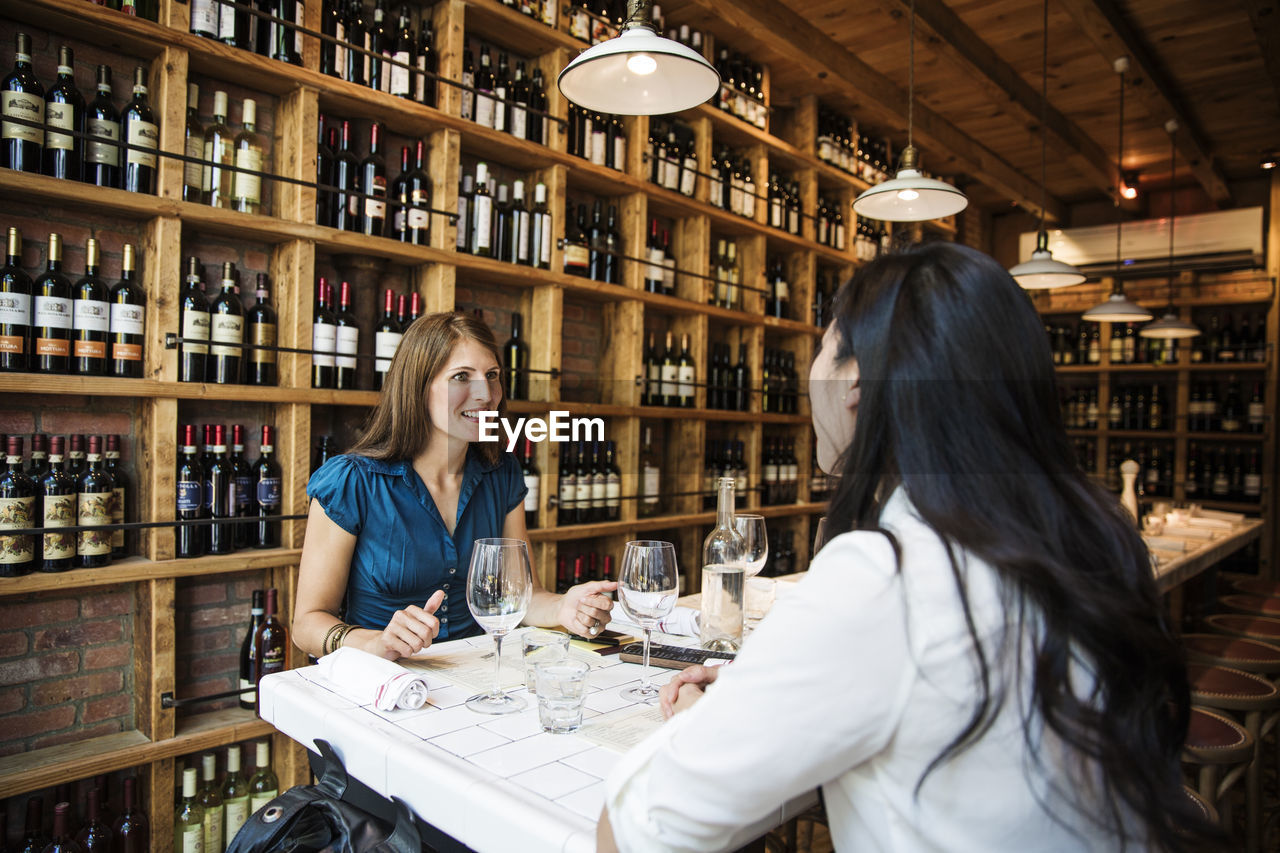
210, 799
264, 786
188, 822
235, 797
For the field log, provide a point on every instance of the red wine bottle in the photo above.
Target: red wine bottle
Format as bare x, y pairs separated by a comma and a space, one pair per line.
248, 653
220, 486
132, 831
23, 99
261, 368
15, 307
120, 495
266, 493
190, 496
415, 308
62, 841
345, 179
373, 183
142, 134
386, 338
102, 123
324, 339
51, 326
95, 495
58, 489
64, 110
241, 487
91, 317
128, 310
95, 835
348, 342
272, 641
17, 510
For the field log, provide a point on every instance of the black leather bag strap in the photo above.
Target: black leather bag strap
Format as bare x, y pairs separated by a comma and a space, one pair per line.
405, 838
333, 781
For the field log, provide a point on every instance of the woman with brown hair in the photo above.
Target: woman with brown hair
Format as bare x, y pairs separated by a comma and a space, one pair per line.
392, 523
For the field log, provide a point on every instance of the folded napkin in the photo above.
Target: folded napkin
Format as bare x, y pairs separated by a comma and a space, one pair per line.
1233, 517
1210, 523
1189, 532
369, 678
682, 621
1165, 544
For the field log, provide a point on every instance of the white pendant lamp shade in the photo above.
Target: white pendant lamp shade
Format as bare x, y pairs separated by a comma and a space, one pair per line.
639, 73
1042, 272
910, 196
1169, 327
1117, 309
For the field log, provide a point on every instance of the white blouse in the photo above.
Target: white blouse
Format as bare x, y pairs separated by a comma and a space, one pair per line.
856, 681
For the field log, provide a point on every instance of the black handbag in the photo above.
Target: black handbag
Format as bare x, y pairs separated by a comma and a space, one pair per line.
314, 819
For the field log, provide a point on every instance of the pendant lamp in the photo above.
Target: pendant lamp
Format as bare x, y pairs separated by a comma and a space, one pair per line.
1042, 272
1117, 308
910, 196
639, 72
1170, 326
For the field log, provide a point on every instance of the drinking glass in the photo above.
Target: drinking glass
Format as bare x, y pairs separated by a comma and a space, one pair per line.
648, 585
499, 585
756, 551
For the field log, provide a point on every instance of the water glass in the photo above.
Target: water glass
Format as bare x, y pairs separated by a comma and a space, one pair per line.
562, 691
755, 540
759, 597
542, 647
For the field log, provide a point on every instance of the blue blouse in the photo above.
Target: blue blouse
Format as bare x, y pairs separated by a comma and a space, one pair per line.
404, 552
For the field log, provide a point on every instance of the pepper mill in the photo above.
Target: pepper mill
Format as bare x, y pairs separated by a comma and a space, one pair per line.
1129, 495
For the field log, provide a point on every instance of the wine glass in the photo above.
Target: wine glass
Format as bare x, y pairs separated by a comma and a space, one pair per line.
499, 585
756, 551
648, 585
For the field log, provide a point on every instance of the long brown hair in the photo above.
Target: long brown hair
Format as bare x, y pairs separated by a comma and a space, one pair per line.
399, 425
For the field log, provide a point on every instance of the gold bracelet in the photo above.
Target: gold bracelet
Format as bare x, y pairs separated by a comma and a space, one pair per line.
332, 637
341, 637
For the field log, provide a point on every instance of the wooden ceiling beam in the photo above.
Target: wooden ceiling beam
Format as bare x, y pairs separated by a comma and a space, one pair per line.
1265, 17
950, 37
1112, 35
813, 51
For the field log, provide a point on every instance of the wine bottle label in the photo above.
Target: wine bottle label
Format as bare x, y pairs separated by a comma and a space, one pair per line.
15, 309
61, 116
654, 272
59, 511
522, 237
613, 491
53, 312
686, 379
670, 373
468, 97
1253, 485
226, 329
195, 327
576, 256
103, 153
376, 208
533, 483
213, 828
484, 109
579, 24
548, 13
348, 341
599, 490
260, 799
272, 661
1256, 410
385, 345
238, 808
263, 334
770, 474
599, 147
241, 489
194, 149
1230, 424
568, 491
248, 188
190, 496
671, 177
582, 493
652, 480
519, 122
482, 221
193, 838
324, 340
146, 135
269, 492
417, 218
669, 274
226, 22
544, 255
91, 315
126, 319
117, 517
94, 508
204, 16
17, 513
23, 105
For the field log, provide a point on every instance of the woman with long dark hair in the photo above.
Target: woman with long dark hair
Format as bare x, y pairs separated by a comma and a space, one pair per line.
978, 658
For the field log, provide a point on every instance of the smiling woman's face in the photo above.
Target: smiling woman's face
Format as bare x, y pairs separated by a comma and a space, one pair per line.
470, 383
833, 397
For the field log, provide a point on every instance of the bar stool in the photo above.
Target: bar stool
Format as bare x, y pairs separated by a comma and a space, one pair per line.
1217, 744
1250, 655
1255, 586
1239, 625
1209, 812
1228, 689
1255, 605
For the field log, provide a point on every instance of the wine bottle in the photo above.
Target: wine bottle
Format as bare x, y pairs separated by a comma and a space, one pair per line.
741, 382
263, 785
518, 121
75, 458
95, 836
540, 229
64, 110
346, 168
266, 492
15, 307
686, 376
415, 308
272, 643
62, 841
95, 495
284, 38
33, 837
216, 178
193, 148
128, 306
190, 497
242, 482
347, 341
484, 86
220, 493
23, 98
722, 570
119, 494
209, 797
501, 241
582, 492
17, 510
38, 464
386, 339
482, 215
515, 354
412, 194
612, 483
195, 326
132, 831
596, 239
58, 492
91, 317
324, 174
599, 484
226, 331
577, 251
650, 477
373, 183
142, 135
668, 266
567, 488
261, 320
246, 187
501, 90
532, 482
668, 389
102, 123
188, 819
235, 790
1257, 411
520, 251
51, 329
612, 248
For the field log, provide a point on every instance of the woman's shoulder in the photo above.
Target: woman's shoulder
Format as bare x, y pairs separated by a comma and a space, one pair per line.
348, 466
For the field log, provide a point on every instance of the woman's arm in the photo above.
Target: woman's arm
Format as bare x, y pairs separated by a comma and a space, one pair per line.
322, 583
580, 609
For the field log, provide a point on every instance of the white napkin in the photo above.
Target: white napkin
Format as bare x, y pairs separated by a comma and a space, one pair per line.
369, 678
683, 621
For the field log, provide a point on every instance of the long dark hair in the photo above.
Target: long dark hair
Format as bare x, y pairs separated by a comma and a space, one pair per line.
959, 406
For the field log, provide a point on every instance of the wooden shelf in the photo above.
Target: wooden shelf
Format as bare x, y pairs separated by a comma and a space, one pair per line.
663, 522
105, 386
1233, 506
42, 768
132, 569
1226, 436
508, 28
1152, 434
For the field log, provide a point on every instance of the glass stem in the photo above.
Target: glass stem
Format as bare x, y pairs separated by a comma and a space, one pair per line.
644, 679
497, 667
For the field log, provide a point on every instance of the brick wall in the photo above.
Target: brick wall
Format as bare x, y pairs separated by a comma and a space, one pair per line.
582, 347
211, 621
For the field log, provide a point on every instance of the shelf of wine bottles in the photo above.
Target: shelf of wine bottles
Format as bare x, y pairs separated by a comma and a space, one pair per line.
84, 816
216, 797
504, 217
213, 483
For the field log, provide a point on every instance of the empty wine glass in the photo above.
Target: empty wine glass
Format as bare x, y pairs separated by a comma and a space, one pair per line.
499, 585
756, 551
648, 585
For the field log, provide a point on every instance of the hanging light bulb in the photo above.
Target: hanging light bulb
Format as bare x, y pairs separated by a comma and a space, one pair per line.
1042, 272
1117, 308
639, 72
1170, 326
910, 196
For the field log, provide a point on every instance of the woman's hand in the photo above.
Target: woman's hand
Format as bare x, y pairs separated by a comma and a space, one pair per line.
584, 609
410, 631
685, 688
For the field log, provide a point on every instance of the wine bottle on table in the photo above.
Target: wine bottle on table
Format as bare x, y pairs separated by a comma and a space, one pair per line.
220, 489
235, 794
515, 352
17, 510
119, 495
242, 482
194, 354
52, 314
266, 492
142, 134
260, 369
188, 819
91, 317
226, 331
23, 99
128, 307
263, 785
190, 496
132, 830
386, 338
210, 799
64, 110
15, 307
95, 496
95, 836
58, 490
723, 576
248, 654
324, 339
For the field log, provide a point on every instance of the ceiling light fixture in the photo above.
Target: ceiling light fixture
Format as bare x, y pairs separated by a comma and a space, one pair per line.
1170, 326
639, 72
1269, 160
909, 196
1129, 185
1042, 272
1117, 308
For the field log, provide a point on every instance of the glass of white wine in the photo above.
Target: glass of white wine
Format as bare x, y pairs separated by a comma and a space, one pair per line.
499, 586
648, 585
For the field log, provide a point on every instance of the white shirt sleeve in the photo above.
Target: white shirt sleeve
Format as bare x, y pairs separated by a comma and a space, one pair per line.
817, 689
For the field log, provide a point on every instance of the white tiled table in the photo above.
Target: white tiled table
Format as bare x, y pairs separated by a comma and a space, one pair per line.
495, 783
